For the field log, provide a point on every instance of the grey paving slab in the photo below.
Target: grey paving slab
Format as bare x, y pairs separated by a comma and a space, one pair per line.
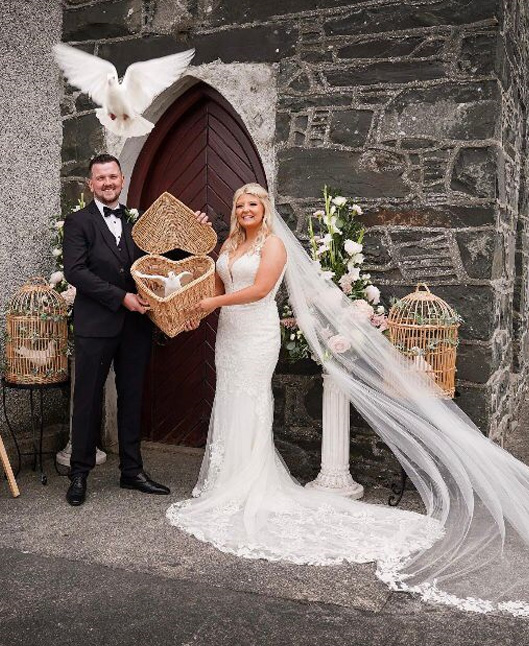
50, 600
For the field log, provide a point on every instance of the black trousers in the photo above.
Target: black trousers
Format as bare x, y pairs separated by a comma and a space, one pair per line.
130, 352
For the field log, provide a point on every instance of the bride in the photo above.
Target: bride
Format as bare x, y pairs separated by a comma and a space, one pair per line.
476, 529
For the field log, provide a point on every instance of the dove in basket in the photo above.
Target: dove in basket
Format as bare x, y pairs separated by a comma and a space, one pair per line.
172, 282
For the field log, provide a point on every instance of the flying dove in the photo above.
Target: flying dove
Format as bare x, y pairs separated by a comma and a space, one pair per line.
173, 282
39, 358
122, 103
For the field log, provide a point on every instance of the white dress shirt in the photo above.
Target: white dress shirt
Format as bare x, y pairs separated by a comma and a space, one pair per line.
113, 223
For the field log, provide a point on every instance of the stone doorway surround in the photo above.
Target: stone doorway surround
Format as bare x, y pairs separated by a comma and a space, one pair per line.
251, 90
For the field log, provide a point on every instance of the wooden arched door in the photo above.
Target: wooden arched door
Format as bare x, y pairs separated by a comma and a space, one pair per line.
201, 152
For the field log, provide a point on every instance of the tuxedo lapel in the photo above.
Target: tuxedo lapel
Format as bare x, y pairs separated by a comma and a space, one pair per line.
107, 235
127, 236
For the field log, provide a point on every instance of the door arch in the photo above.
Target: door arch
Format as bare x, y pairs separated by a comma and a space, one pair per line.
201, 152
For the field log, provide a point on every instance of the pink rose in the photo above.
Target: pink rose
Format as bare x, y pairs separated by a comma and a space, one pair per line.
69, 295
346, 284
338, 344
380, 321
362, 309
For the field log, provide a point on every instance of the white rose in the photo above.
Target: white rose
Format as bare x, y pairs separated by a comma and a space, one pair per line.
356, 209
372, 294
56, 252
56, 278
354, 274
59, 224
339, 200
358, 258
352, 247
338, 344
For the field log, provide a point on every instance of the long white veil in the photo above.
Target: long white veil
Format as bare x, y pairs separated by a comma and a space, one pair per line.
478, 491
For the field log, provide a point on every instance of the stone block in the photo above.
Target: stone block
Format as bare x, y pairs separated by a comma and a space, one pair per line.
475, 402
282, 126
428, 216
478, 54
108, 20
392, 72
82, 137
71, 189
477, 250
303, 172
394, 17
260, 44
475, 171
125, 52
444, 111
296, 103
351, 127
476, 363
381, 48
227, 13
375, 248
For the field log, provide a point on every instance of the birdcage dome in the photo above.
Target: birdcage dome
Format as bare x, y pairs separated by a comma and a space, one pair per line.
424, 328
36, 335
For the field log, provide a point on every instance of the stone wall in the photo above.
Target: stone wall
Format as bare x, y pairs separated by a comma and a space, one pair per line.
417, 110
30, 153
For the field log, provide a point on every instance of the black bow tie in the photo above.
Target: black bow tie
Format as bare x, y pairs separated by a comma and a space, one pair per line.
115, 212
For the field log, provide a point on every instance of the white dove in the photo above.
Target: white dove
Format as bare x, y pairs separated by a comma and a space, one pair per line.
39, 358
173, 282
122, 103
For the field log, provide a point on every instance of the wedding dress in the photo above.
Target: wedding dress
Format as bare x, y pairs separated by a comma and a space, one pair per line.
470, 548
247, 503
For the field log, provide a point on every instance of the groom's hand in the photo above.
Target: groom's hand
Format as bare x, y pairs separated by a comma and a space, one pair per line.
202, 218
135, 304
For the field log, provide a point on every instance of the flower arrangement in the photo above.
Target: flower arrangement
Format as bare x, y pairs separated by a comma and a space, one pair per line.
57, 279
335, 239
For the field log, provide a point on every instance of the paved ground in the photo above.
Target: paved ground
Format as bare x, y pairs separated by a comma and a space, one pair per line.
114, 572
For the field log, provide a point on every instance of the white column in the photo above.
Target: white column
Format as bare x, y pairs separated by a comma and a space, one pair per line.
334, 475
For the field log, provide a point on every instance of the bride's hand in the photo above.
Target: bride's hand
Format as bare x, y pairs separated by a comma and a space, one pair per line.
206, 305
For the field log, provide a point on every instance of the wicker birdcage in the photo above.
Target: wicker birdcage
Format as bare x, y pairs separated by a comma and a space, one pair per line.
167, 225
36, 335
425, 329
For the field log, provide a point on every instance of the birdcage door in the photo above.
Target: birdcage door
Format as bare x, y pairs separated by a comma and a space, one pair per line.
200, 152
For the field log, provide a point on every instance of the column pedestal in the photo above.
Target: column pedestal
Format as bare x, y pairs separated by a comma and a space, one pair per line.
334, 475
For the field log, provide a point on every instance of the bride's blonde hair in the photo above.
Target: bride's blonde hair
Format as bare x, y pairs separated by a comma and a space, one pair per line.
237, 234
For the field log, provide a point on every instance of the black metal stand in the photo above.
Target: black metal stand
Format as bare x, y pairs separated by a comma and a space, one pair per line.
37, 424
398, 489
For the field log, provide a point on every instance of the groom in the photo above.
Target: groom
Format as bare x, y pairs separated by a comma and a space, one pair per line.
109, 326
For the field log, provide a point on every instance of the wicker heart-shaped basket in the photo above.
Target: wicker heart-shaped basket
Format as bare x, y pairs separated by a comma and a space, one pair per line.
166, 225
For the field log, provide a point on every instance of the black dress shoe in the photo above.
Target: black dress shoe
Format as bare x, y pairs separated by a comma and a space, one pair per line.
142, 482
76, 493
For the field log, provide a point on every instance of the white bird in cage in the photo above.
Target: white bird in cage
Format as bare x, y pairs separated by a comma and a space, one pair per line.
173, 282
39, 358
122, 104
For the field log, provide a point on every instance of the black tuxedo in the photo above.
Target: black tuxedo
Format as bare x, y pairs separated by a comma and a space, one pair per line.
104, 331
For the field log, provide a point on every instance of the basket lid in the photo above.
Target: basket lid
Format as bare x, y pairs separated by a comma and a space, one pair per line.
168, 224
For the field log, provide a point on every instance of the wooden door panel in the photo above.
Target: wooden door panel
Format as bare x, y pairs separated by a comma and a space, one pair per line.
201, 152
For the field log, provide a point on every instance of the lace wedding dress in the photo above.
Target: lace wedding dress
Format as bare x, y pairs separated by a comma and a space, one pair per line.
246, 502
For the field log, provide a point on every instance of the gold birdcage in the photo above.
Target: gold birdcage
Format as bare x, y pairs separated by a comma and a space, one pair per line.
166, 225
425, 329
36, 335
